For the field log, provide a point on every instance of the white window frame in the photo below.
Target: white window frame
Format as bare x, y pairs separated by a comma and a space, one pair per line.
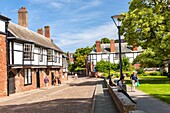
41, 54
28, 51
49, 55
27, 76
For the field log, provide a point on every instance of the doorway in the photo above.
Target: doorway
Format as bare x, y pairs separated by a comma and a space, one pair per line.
11, 83
52, 77
38, 78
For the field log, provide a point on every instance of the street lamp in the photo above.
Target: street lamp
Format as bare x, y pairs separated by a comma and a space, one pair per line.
117, 21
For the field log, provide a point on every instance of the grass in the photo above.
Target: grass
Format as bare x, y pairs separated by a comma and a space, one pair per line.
157, 86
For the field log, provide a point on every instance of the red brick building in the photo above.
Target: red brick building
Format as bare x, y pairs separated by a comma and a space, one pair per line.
26, 57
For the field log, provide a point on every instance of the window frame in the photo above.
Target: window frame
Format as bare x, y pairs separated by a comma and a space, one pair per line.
27, 76
49, 55
41, 54
28, 52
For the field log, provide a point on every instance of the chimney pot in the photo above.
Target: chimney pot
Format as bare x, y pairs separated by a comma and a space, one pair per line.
40, 31
98, 46
47, 31
23, 17
112, 46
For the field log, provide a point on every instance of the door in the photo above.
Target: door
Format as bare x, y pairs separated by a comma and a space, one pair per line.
11, 83
52, 77
38, 78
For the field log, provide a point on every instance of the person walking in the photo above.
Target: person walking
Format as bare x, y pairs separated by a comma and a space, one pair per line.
59, 81
54, 81
121, 89
134, 80
75, 76
46, 81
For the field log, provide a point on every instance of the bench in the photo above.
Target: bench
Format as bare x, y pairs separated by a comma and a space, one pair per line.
123, 103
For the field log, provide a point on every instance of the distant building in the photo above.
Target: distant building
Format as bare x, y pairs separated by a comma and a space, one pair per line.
26, 57
70, 57
110, 52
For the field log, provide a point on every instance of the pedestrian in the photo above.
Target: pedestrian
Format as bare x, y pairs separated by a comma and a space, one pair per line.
46, 81
121, 89
134, 80
59, 81
75, 76
54, 81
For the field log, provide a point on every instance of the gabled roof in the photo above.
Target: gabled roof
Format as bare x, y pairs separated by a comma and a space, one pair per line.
23, 33
105, 48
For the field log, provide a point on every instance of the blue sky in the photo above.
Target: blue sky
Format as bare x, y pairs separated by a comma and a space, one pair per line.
73, 23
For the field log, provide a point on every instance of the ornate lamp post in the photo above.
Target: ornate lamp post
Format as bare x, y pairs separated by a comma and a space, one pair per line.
116, 20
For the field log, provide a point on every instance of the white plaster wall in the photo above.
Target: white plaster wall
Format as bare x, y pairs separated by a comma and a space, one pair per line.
99, 58
18, 55
2, 24
18, 46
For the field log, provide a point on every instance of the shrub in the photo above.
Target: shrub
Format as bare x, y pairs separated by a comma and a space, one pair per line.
141, 71
156, 73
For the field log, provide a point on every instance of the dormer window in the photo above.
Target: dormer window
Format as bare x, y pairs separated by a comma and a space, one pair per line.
28, 51
49, 55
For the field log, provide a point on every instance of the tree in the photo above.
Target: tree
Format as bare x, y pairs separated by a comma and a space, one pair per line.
79, 57
148, 59
147, 24
105, 40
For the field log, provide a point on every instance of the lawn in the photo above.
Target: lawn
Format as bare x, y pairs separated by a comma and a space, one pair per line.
157, 86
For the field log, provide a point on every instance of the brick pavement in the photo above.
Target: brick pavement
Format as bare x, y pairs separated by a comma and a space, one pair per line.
73, 96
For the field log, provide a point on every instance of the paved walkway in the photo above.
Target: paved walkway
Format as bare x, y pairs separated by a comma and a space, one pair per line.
147, 103
73, 96
103, 101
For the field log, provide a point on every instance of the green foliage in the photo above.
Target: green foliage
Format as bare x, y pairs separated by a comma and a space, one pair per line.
148, 58
125, 64
140, 71
79, 57
147, 24
103, 66
155, 73
105, 40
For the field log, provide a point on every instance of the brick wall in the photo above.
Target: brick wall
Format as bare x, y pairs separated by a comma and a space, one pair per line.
3, 66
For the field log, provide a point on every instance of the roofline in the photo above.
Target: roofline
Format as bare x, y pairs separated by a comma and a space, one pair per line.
15, 38
4, 17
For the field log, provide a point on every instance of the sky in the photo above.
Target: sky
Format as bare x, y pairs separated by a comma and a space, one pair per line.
73, 23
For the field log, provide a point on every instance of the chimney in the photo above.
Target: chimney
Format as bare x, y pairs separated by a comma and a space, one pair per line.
112, 46
47, 31
135, 47
98, 46
40, 31
23, 17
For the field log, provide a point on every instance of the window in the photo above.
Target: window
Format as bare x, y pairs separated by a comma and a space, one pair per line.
41, 54
116, 56
27, 77
58, 57
49, 55
28, 52
55, 56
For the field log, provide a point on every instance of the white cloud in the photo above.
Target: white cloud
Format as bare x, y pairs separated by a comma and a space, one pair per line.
68, 41
87, 5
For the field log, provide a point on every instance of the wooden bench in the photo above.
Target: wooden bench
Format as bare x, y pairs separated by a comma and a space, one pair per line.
123, 103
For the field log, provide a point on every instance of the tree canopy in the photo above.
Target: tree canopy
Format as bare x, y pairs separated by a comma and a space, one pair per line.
105, 40
147, 24
79, 57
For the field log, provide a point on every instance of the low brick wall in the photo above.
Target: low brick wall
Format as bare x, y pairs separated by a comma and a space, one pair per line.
122, 102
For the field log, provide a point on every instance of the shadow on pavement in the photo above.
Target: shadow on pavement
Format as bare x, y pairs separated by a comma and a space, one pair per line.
76, 105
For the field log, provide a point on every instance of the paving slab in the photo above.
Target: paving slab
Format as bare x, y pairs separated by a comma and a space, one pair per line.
147, 103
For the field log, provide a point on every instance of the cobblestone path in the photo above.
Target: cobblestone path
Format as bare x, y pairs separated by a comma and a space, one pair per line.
73, 97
